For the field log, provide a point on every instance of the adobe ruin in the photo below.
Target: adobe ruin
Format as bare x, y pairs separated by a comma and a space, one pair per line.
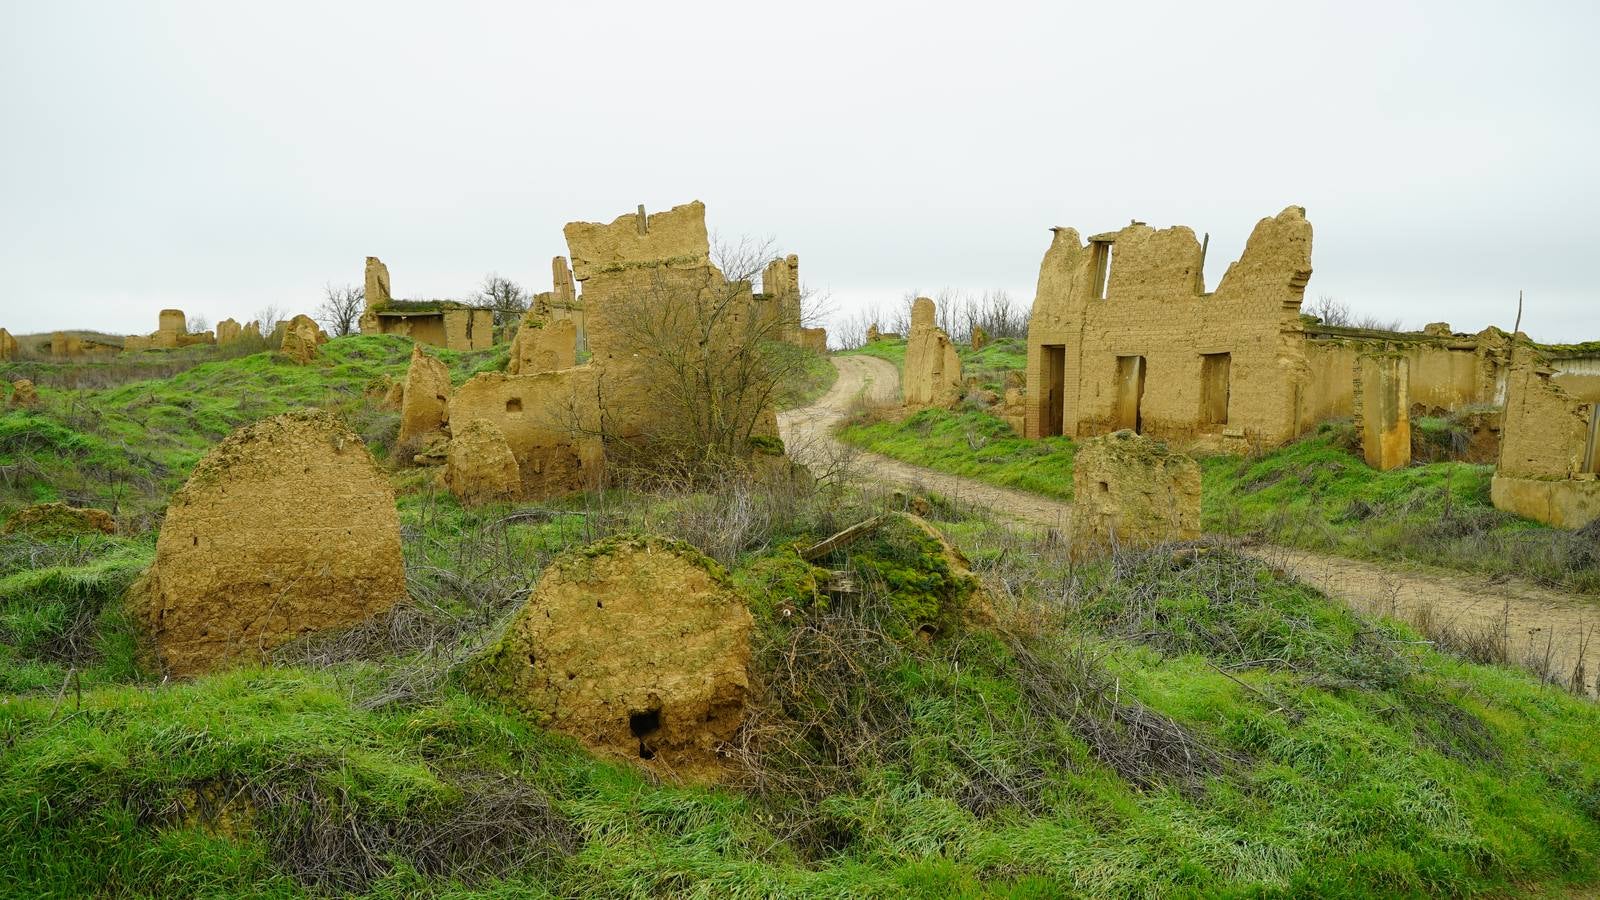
172, 332
1550, 447
8, 346
23, 394
544, 342
301, 338
228, 331
479, 465
49, 521
932, 374
1382, 417
424, 402
284, 529
638, 647
1131, 491
778, 304
814, 339
442, 323
558, 422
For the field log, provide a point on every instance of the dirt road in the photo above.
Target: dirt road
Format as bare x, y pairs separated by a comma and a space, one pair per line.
1538, 621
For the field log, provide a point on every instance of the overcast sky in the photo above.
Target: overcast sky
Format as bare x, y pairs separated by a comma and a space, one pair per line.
221, 157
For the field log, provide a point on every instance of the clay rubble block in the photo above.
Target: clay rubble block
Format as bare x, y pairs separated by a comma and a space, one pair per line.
479, 465
24, 394
286, 528
932, 368
1130, 491
425, 398
638, 647
301, 337
57, 520
543, 343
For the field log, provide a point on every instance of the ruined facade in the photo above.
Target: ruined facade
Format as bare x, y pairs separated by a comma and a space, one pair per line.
1550, 449
778, 305
1124, 336
228, 331
285, 528
932, 375
442, 323
639, 647
1131, 490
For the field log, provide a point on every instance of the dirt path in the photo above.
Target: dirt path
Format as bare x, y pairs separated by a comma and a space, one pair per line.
1539, 622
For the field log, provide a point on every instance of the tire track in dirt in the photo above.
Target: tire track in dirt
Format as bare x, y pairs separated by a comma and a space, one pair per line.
1538, 622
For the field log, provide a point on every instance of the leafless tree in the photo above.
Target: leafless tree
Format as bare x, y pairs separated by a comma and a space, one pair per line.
341, 308
504, 297
198, 325
1337, 313
269, 316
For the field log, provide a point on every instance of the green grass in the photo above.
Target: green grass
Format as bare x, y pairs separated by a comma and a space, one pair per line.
809, 375
985, 763
971, 443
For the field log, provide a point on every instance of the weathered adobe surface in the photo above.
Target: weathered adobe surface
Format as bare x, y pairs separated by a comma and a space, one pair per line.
8, 346
301, 338
1154, 307
675, 238
479, 465
544, 342
1383, 409
285, 528
637, 646
932, 369
814, 339
1131, 490
228, 331
1445, 371
54, 520
442, 323
24, 394
424, 399
1549, 450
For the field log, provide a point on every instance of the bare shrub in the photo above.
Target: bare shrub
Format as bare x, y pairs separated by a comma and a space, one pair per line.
341, 308
503, 297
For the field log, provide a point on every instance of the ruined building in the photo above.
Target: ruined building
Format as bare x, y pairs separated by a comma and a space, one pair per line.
442, 323
1550, 452
1124, 335
559, 422
1130, 490
932, 374
8, 346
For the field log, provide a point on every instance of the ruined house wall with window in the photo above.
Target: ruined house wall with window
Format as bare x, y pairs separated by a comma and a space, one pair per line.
440, 323
1124, 335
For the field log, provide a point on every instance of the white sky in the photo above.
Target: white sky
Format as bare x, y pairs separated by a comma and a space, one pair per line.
220, 157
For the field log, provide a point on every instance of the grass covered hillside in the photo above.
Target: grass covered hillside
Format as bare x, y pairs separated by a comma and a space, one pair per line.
1159, 723
1148, 725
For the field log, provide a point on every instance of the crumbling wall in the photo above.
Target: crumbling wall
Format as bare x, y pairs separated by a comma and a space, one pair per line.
1121, 330
932, 374
1131, 490
65, 346
284, 529
23, 394
301, 338
550, 421
8, 346
543, 342
780, 282
228, 331
1382, 409
1549, 449
1446, 371
479, 465
814, 339
424, 400
639, 647
468, 329
676, 238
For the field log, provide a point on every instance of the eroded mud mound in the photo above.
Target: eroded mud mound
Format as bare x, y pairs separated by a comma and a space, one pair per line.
637, 646
285, 528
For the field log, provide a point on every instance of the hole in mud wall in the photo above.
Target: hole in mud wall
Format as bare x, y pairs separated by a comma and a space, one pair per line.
1105, 487
1102, 269
514, 406
643, 724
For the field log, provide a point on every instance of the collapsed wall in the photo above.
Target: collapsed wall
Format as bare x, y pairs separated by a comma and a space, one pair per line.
1381, 401
424, 400
1549, 449
442, 323
172, 332
479, 464
8, 346
301, 338
285, 528
932, 375
639, 647
1130, 491
1124, 336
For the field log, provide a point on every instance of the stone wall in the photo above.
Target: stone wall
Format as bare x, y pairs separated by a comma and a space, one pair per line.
1122, 329
1549, 449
